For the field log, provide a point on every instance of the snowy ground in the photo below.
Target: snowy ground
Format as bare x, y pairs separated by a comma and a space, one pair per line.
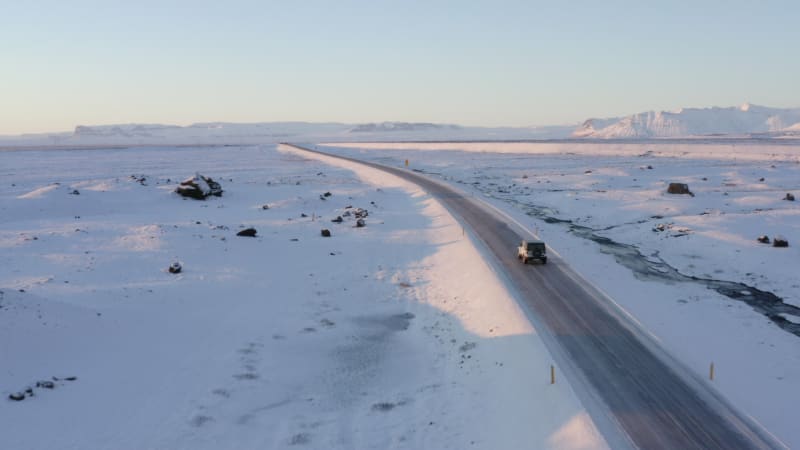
598, 206
395, 335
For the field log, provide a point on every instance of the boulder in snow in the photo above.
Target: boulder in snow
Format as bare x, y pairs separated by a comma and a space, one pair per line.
247, 232
789, 197
764, 239
46, 384
175, 267
199, 187
360, 223
780, 241
325, 232
338, 219
679, 188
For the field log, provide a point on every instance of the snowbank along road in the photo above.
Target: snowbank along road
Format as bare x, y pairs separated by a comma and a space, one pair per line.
626, 380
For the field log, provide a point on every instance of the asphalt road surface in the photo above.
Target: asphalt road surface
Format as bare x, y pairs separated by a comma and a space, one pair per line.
652, 400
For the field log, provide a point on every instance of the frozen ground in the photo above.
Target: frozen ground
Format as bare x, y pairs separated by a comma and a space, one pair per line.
395, 335
703, 286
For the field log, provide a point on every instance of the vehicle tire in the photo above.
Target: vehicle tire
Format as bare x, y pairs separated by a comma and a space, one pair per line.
524, 260
544, 260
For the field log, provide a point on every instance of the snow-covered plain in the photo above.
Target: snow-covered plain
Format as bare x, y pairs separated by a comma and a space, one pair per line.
395, 335
601, 206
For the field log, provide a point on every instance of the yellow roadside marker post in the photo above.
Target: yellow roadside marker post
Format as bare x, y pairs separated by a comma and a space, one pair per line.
552, 374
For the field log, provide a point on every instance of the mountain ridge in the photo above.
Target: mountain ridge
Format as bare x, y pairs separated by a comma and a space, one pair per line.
745, 120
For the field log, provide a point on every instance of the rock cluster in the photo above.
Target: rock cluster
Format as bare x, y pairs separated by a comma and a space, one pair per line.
42, 384
199, 187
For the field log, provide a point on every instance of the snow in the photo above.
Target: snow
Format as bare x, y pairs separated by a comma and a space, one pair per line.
395, 335
607, 190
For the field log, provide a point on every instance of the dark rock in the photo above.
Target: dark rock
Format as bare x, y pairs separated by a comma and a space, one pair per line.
75, 192
45, 384
587, 171
247, 232
322, 197
199, 187
780, 241
303, 215
761, 179
73, 378
327, 194
325, 232
649, 167
175, 267
361, 213
789, 197
360, 223
660, 227
17, 396
679, 188
264, 206
338, 219
764, 239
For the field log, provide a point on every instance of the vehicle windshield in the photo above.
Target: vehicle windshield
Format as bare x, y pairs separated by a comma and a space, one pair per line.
535, 246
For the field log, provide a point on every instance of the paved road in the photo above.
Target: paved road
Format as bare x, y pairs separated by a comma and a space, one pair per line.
652, 399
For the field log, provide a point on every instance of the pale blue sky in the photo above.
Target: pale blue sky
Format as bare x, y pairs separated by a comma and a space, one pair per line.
517, 63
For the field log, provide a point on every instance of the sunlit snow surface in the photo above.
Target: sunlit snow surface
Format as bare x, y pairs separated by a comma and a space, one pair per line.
617, 192
395, 335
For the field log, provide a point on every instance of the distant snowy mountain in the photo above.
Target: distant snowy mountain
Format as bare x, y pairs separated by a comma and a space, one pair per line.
223, 133
135, 130
400, 126
746, 120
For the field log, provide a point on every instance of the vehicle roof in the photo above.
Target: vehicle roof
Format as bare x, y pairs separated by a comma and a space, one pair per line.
533, 241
